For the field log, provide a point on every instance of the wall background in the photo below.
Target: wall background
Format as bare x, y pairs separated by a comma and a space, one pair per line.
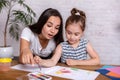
102, 27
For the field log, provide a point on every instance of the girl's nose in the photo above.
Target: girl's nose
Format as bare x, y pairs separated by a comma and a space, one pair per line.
72, 37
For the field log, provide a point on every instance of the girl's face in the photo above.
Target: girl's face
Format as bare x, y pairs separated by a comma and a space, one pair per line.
51, 27
73, 33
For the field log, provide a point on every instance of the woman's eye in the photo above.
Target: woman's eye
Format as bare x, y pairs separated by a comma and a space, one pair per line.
57, 28
49, 25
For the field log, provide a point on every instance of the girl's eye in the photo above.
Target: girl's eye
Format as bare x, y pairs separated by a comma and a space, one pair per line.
77, 34
69, 32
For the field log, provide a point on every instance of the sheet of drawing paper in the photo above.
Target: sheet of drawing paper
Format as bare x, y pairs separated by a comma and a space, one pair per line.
31, 68
65, 72
73, 73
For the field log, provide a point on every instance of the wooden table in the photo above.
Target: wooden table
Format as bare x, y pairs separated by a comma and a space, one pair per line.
12, 74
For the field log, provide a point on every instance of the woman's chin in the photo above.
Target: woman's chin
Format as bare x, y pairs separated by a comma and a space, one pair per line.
49, 37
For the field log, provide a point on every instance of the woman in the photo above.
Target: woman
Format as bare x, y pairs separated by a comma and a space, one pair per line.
42, 37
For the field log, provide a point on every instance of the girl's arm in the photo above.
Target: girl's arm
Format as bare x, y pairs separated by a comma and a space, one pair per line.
53, 61
94, 58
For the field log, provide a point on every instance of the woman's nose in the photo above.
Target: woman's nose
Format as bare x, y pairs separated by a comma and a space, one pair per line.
52, 30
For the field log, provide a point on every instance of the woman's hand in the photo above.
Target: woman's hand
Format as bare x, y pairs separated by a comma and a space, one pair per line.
26, 57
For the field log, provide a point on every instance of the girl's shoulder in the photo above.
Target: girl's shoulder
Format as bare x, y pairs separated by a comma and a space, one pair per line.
84, 40
65, 43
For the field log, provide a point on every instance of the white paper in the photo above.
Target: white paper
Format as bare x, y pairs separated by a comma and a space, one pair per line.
31, 68
60, 71
73, 73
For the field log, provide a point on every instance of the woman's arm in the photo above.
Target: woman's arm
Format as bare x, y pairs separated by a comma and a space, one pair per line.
26, 56
94, 58
53, 61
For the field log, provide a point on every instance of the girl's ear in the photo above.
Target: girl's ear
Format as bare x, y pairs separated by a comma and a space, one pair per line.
82, 34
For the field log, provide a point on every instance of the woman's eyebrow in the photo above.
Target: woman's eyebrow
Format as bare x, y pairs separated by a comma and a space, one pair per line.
49, 22
52, 23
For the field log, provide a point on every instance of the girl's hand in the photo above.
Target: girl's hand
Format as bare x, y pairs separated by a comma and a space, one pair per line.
70, 62
37, 60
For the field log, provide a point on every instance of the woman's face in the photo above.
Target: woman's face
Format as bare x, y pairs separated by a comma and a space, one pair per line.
51, 27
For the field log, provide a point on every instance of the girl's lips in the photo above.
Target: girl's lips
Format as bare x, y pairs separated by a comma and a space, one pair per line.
72, 41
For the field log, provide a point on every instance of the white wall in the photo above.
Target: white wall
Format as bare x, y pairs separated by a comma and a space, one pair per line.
103, 24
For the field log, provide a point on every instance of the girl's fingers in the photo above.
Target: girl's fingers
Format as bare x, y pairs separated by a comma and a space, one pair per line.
37, 59
68, 61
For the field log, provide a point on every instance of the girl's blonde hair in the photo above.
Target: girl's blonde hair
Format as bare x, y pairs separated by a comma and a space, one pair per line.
76, 16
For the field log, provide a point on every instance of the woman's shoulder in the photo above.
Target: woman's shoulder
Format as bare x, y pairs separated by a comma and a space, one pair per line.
26, 29
27, 34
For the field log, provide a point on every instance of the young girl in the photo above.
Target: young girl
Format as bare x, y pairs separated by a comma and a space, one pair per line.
73, 51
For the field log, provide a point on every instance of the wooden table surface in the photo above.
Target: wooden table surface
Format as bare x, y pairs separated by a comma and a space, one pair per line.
12, 74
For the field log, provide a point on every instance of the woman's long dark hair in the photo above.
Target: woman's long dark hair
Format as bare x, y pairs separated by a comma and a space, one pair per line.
37, 27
